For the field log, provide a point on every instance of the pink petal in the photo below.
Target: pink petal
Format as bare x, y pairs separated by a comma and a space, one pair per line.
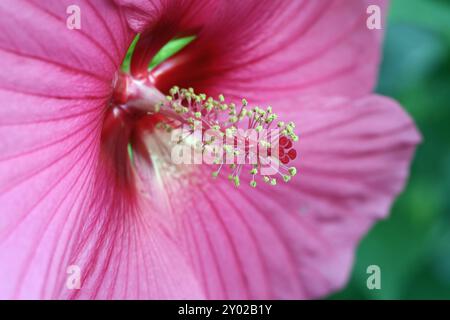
266, 48
297, 240
61, 203
143, 15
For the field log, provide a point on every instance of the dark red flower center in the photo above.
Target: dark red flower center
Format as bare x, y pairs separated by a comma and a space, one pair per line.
248, 138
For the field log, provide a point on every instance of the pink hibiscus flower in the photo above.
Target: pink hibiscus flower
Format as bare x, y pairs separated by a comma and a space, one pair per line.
142, 227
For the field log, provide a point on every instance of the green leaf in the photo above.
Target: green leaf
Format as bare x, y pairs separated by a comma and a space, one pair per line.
127, 60
171, 48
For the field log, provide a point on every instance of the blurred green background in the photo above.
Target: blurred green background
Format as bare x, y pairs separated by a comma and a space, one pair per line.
412, 247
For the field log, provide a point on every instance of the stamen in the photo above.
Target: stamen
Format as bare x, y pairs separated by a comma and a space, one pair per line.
236, 138
250, 141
